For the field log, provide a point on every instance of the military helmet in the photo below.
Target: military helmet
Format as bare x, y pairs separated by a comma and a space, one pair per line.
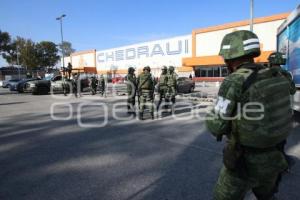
171, 68
238, 44
277, 58
147, 68
131, 69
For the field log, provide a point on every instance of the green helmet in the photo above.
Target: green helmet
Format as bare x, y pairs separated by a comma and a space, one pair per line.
277, 58
164, 68
238, 44
147, 68
171, 68
131, 70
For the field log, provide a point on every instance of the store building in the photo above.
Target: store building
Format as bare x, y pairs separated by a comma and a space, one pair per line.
195, 54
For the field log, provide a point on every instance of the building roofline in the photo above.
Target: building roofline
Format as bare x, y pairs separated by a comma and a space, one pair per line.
242, 23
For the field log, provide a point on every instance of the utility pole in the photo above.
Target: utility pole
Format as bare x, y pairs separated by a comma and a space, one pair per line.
18, 63
62, 40
251, 14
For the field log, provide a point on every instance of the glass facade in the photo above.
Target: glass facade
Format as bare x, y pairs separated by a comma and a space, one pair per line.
209, 71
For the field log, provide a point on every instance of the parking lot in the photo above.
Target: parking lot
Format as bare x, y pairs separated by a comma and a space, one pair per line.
56, 147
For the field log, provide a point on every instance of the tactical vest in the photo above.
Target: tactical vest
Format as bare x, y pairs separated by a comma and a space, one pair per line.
146, 82
171, 82
268, 90
163, 80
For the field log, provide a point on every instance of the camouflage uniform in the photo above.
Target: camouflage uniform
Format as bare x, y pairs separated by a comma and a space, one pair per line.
172, 84
146, 85
251, 157
75, 89
162, 85
275, 60
93, 85
131, 89
101, 85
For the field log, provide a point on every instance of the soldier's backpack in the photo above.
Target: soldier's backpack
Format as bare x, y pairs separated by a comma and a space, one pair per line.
267, 91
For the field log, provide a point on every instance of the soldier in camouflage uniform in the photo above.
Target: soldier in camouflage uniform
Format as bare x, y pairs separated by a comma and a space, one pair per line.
131, 90
146, 85
101, 85
276, 59
93, 84
251, 158
162, 85
172, 84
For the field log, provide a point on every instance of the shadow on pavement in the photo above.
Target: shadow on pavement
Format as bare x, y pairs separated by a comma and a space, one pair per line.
45, 159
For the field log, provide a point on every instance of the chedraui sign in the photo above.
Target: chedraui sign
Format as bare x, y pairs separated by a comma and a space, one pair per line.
169, 51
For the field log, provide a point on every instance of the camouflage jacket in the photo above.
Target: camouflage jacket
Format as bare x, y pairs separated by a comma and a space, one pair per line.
172, 80
131, 82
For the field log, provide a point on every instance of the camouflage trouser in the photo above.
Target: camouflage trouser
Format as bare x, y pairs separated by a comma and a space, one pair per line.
162, 95
171, 93
94, 89
102, 89
131, 100
146, 100
263, 170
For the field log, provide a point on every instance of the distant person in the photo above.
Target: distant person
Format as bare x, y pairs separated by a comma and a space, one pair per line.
93, 84
69, 68
191, 77
101, 85
146, 85
162, 86
172, 85
131, 90
75, 88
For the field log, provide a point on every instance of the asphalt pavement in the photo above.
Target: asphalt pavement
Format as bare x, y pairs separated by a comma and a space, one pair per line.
56, 147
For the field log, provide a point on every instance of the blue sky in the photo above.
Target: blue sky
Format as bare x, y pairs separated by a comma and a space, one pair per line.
103, 24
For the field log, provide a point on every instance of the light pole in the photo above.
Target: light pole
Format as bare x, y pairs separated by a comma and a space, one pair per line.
251, 14
18, 63
62, 40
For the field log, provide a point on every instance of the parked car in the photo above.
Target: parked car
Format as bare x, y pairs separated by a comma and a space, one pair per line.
185, 85
9, 83
21, 84
54, 85
37, 86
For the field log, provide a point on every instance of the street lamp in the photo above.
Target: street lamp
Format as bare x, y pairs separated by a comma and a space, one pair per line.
62, 40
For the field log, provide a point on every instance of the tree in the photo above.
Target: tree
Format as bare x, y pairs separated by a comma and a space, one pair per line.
10, 53
5, 40
47, 53
22, 50
28, 54
67, 48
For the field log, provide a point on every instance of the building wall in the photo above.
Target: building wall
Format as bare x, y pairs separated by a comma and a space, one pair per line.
208, 44
80, 60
